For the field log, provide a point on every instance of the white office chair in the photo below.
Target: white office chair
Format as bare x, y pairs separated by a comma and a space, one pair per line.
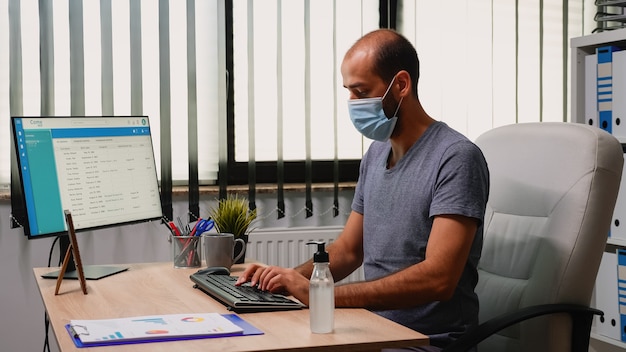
553, 191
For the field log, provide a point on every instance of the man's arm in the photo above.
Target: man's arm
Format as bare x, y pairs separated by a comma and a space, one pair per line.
345, 253
434, 279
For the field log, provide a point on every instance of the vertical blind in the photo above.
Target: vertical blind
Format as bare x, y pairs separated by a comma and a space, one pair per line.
490, 63
300, 96
287, 103
121, 58
484, 63
109, 57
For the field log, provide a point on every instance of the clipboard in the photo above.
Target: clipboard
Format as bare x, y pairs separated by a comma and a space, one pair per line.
248, 329
71, 250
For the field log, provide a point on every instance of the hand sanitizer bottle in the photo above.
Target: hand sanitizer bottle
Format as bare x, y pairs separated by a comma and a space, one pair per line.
321, 293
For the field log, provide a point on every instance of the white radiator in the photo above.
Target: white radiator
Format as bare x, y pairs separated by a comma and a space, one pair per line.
287, 247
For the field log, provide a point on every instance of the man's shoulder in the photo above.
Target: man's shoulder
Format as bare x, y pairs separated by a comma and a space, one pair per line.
443, 139
447, 133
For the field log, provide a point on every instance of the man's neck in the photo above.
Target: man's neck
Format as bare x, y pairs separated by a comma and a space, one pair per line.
413, 123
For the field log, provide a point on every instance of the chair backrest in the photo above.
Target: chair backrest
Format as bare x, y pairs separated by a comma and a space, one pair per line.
553, 190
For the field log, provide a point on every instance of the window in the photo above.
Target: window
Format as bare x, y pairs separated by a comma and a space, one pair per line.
256, 84
156, 58
289, 104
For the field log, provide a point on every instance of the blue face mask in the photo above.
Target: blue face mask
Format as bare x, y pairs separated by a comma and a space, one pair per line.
369, 118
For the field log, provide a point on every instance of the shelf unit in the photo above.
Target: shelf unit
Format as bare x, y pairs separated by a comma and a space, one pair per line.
617, 242
580, 48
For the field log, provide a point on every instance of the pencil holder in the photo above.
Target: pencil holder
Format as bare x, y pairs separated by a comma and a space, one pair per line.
186, 251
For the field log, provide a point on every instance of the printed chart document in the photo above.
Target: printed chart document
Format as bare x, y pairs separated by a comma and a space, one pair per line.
153, 328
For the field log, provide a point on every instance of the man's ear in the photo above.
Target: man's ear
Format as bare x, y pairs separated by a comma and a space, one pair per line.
403, 80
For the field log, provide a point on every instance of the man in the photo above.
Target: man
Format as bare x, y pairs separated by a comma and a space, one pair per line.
418, 209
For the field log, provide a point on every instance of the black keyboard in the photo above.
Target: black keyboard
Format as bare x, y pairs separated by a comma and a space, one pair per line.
244, 298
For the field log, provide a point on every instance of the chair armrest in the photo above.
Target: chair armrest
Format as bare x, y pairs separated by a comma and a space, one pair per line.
581, 325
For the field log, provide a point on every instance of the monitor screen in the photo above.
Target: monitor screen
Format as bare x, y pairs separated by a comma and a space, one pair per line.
100, 168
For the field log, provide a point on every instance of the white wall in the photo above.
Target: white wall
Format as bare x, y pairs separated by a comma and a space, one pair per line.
21, 306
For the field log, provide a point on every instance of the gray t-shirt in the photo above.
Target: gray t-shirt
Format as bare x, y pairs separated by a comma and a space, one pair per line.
442, 173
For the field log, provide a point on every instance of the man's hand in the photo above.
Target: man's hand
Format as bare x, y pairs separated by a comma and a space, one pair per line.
277, 280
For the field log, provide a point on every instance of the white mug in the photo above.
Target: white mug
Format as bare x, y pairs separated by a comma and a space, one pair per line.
219, 249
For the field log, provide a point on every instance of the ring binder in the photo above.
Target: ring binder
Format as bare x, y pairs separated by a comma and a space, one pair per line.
76, 333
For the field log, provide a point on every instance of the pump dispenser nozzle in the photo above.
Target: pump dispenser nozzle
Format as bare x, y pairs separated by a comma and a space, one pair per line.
321, 256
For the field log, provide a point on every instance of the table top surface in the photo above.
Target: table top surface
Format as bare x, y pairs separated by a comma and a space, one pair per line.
159, 288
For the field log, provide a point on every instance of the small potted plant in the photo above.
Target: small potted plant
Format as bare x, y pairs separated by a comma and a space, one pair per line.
233, 215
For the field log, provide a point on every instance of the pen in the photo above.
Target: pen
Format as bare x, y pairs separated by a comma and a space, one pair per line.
173, 229
180, 224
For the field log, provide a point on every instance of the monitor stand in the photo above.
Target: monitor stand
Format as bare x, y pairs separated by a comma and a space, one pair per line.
91, 272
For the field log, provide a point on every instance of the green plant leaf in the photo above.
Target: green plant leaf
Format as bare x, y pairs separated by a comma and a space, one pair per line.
233, 215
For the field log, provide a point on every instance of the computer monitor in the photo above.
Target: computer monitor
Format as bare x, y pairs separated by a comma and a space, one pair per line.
100, 168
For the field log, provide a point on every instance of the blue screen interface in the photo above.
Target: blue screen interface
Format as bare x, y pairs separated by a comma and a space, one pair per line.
101, 169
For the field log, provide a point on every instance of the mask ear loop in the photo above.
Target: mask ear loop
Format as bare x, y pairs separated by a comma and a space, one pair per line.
398, 108
388, 88
384, 95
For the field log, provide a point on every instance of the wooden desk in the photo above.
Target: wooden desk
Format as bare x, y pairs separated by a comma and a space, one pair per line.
158, 288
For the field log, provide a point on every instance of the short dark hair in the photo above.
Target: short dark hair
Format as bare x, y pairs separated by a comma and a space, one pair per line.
394, 55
